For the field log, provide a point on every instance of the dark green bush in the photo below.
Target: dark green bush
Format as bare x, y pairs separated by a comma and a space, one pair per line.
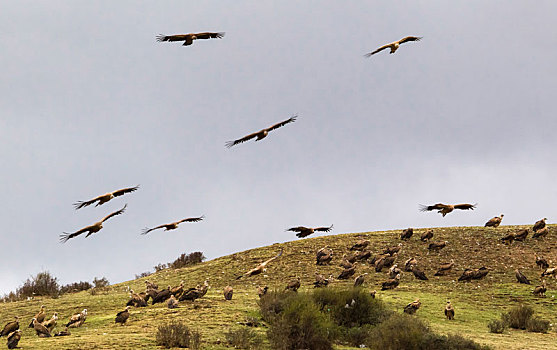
273, 303
177, 335
497, 326
243, 338
537, 325
518, 316
355, 336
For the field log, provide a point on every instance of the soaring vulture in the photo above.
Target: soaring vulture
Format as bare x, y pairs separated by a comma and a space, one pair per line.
50, 324
306, 231
77, 320
444, 268
122, 316
320, 281
261, 134
436, 246
63, 333
391, 283
541, 262
172, 302
228, 291
412, 307
408, 264
361, 244
449, 311
96, 227
406, 234
520, 277
347, 273
172, 225
521, 235
444, 209
394, 45
13, 339
392, 250
41, 330
419, 274
39, 316
394, 270
539, 224
189, 38
426, 236
10, 327
539, 291
162, 296
261, 291
260, 268
324, 256
494, 222
105, 197
359, 281
541, 233
293, 285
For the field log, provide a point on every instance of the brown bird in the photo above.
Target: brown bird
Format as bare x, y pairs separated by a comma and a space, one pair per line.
122, 316
347, 273
261, 134
41, 330
426, 236
195, 293
412, 307
176, 291
63, 333
39, 316
550, 272
10, 327
228, 291
359, 281
391, 283
136, 300
445, 209
293, 285
162, 296
346, 263
173, 225
520, 277
508, 239
105, 197
372, 293
260, 268
408, 264
539, 224
172, 302
521, 235
50, 324
13, 339
96, 227
394, 270
406, 234
541, 262
324, 256
419, 274
436, 246
449, 311
467, 275
480, 273
360, 245
320, 281
306, 231
539, 291
77, 319
261, 291
444, 268
541, 233
392, 250
151, 285
189, 38
394, 45
494, 222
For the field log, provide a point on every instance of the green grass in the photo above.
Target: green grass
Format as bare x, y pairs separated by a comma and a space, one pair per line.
476, 303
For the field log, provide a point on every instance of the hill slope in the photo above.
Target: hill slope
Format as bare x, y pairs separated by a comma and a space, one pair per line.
476, 302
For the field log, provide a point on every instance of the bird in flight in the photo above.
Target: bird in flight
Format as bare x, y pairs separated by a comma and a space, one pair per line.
189, 38
105, 197
96, 227
173, 225
444, 209
394, 45
262, 133
306, 231
260, 268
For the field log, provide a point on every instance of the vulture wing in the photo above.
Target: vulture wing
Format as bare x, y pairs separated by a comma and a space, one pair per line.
378, 50
83, 204
209, 35
324, 229
65, 235
409, 38
298, 229
124, 191
146, 230
118, 212
273, 258
178, 37
465, 206
283, 123
437, 206
192, 219
243, 139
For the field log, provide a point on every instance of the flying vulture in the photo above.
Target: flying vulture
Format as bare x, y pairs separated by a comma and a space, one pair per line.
347, 273
261, 291
406, 234
77, 320
10, 327
449, 311
63, 333
394, 45
436, 246
359, 281
391, 283
39, 316
539, 291
444, 209
444, 268
306, 231
189, 38
50, 324
320, 281
228, 291
521, 235
419, 274
539, 224
361, 244
408, 264
426, 236
105, 197
261, 134
96, 227
172, 302
13, 339
541, 233
494, 222
293, 285
173, 225
41, 330
520, 277
392, 250
324, 256
260, 268
412, 307
394, 270
542, 262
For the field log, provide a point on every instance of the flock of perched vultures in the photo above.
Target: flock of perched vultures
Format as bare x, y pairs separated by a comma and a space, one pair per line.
357, 254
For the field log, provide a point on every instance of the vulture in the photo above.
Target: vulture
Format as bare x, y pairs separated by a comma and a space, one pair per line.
389, 260
261, 135
261, 267
360, 245
293, 285
392, 250
521, 235
172, 302
10, 327
351, 258
362, 255
162, 296
172, 225
539, 224
63, 333
195, 293
122, 316
228, 291
449, 311
347, 273
50, 324
412, 307
426, 236
150, 285
306, 231
508, 239
324, 256
520, 277
419, 274
136, 300
408, 264
444, 268
539, 291
391, 283
550, 272
346, 263
436, 246
77, 320
39, 316
480, 273
176, 291
96, 227
261, 291
406, 234
359, 281
320, 281
467, 275
13, 339
372, 293
444, 209
541, 233
151, 294
394, 45
41, 330
189, 38
105, 197
379, 263
541, 262
494, 222
394, 270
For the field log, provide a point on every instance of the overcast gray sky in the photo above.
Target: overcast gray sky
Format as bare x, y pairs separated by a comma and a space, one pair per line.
90, 103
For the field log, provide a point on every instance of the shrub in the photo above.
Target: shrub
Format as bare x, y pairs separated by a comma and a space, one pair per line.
537, 325
187, 259
75, 287
497, 326
273, 303
160, 267
243, 338
398, 332
43, 284
518, 316
143, 274
177, 335
101, 282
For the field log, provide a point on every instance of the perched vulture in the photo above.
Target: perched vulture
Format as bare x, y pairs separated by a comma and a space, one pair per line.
352, 258
550, 272
444, 268
293, 285
176, 291
539, 291
63, 333
306, 231
412, 307
392, 250
77, 320
122, 316
195, 293
41, 330
347, 273
508, 239
162, 296
389, 260
391, 283
480, 273
172, 225
419, 274
359, 281
541, 262
261, 267
50, 324
406, 234
408, 264
362, 255
436, 246
541, 233
151, 294
539, 224
346, 263
13, 339
521, 235
520, 277
467, 275
444, 209
426, 236
261, 291
262, 134
136, 300
172, 302
372, 293
320, 281
494, 222
105, 197
394, 45
449, 311
324, 256
228, 291
394, 270
150, 285
39, 316
360, 245
96, 227
189, 38
10, 327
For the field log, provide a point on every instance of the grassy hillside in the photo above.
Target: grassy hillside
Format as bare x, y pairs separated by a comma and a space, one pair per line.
476, 302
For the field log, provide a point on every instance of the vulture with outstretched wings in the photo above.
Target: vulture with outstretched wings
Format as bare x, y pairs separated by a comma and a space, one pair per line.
394, 45
306, 231
262, 133
96, 227
444, 209
173, 225
105, 197
260, 268
189, 38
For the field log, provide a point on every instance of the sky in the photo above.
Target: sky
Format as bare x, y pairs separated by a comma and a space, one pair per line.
90, 102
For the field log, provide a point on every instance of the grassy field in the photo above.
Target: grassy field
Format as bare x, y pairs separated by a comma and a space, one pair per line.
476, 303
